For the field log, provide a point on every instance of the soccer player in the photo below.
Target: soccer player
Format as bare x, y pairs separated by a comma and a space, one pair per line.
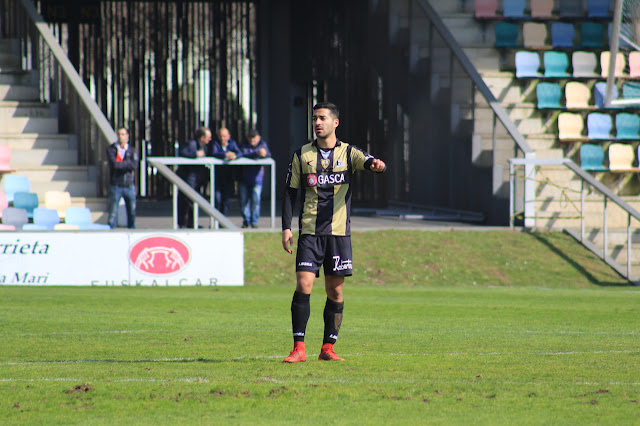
323, 170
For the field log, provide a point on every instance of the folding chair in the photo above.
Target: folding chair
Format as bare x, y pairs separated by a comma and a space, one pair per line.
584, 64
599, 126
627, 126
556, 64
592, 158
527, 64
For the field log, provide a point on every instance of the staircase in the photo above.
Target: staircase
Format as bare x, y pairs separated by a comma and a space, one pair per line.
540, 130
39, 151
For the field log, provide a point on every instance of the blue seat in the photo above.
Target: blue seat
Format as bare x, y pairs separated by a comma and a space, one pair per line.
627, 126
570, 8
46, 217
34, 227
15, 217
556, 64
27, 201
527, 64
81, 217
14, 183
592, 157
598, 8
562, 34
599, 90
506, 34
599, 125
548, 95
591, 34
513, 8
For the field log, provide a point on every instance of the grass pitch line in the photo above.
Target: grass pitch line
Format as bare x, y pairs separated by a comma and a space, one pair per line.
70, 379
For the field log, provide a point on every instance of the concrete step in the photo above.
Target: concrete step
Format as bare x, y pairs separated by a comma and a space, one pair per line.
485, 59
469, 32
29, 125
26, 109
21, 159
57, 173
12, 92
28, 141
444, 7
12, 75
9, 60
9, 46
75, 188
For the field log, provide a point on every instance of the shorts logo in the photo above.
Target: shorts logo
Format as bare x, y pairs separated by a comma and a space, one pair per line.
312, 179
305, 264
325, 163
159, 255
341, 265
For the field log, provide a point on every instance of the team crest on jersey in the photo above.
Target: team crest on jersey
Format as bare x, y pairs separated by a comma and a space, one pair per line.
312, 180
325, 163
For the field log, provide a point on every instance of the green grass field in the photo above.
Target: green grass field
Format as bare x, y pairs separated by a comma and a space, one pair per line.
439, 327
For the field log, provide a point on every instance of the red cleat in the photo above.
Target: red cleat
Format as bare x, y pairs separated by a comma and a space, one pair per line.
297, 354
327, 353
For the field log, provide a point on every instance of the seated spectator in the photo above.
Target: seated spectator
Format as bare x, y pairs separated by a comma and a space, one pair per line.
250, 186
225, 148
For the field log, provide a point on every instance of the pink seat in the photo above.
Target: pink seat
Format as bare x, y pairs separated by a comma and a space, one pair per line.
5, 159
4, 227
486, 9
4, 202
634, 64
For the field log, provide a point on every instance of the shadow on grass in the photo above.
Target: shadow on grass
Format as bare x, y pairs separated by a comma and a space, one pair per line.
580, 267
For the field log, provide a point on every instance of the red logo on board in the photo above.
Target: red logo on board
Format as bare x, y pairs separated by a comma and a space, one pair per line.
159, 255
312, 179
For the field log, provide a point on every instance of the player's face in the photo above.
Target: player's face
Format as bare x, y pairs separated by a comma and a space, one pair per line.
324, 124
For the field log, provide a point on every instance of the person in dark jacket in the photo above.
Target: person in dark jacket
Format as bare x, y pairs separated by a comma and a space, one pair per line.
250, 187
123, 163
225, 148
196, 177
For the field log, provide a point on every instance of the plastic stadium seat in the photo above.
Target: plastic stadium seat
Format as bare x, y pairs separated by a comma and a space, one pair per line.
570, 8
548, 95
570, 127
584, 64
562, 34
592, 157
486, 9
604, 64
591, 34
627, 126
577, 95
4, 227
81, 217
46, 217
631, 90
599, 125
66, 227
14, 216
5, 159
58, 200
34, 227
534, 35
598, 8
506, 34
599, 92
527, 64
14, 183
556, 64
542, 9
513, 8
621, 158
27, 201
4, 203
634, 64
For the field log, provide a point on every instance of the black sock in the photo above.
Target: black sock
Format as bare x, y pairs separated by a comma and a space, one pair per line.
332, 320
300, 311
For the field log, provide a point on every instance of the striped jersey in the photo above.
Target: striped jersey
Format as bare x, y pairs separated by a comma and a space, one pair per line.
325, 179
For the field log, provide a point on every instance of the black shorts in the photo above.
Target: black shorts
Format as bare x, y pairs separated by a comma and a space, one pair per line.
328, 250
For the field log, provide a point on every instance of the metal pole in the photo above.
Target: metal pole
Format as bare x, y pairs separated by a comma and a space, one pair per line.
512, 196
604, 214
143, 169
175, 206
273, 195
628, 246
613, 50
581, 210
212, 196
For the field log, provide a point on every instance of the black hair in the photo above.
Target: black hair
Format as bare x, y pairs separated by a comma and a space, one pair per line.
328, 105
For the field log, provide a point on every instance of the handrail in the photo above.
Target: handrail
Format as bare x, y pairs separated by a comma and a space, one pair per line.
597, 185
69, 70
476, 78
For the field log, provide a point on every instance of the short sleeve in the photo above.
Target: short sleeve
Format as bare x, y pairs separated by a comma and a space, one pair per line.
359, 158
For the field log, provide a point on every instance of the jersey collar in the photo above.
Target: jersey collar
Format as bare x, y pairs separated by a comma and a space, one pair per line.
315, 143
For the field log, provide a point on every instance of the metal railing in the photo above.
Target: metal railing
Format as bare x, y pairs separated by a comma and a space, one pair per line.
586, 181
60, 86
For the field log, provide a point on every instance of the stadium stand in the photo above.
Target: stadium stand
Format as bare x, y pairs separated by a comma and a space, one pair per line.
556, 64
15, 183
621, 158
27, 201
592, 158
584, 64
599, 126
571, 127
15, 217
527, 64
627, 126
